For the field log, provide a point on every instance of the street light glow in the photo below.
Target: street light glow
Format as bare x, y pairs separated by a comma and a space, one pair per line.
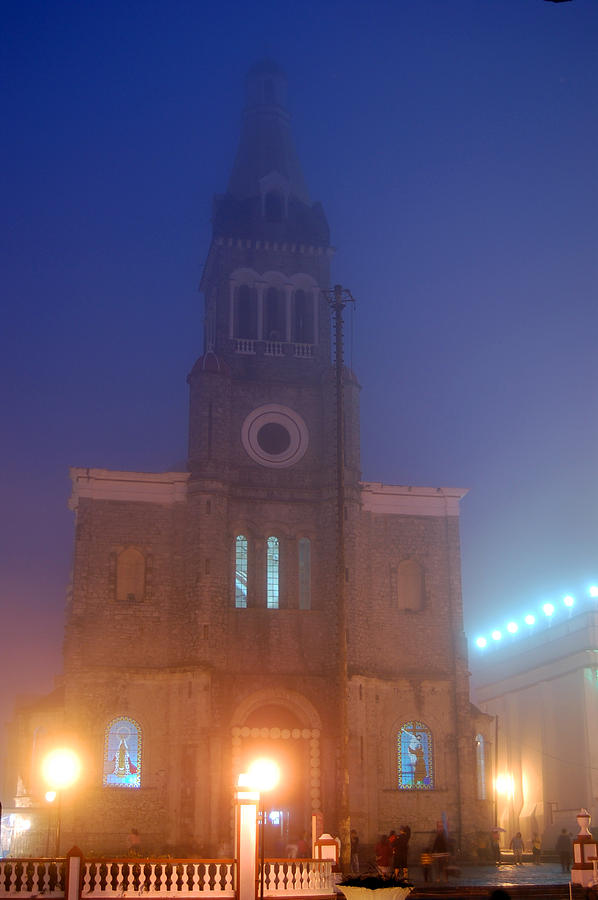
481, 641
512, 627
568, 600
530, 620
548, 609
594, 590
61, 768
263, 774
496, 635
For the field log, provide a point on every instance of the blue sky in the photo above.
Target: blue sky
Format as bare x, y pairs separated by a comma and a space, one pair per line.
453, 146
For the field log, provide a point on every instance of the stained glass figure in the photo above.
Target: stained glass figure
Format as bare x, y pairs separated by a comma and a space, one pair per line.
122, 753
414, 757
241, 571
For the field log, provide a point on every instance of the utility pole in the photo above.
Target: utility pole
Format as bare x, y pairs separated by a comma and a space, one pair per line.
338, 298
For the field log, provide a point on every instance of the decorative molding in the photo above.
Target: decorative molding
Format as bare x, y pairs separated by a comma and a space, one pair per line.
403, 500
165, 488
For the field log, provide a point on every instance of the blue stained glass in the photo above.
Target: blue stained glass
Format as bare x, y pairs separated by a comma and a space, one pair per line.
241, 572
414, 757
122, 753
272, 573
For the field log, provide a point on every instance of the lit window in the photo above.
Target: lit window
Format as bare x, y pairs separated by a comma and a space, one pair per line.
241, 571
130, 575
480, 758
304, 573
410, 585
122, 753
272, 573
414, 757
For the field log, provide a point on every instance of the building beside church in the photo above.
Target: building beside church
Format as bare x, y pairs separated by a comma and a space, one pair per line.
202, 625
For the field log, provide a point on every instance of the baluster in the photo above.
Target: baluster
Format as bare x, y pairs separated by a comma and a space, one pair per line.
152, 878
217, 879
163, 879
86, 878
196, 877
35, 878
206, 878
228, 879
13, 879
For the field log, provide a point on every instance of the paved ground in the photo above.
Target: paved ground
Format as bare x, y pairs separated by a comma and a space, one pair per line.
503, 875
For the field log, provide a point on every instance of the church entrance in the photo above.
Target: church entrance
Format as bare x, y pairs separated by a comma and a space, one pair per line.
275, 732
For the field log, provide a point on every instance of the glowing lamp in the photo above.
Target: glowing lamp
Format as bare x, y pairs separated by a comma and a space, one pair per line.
61, 768
505, 784
263, 775
481, 642
50, 796
530, 620
593, 590
569, 600
548, 609
512, 627
496, 635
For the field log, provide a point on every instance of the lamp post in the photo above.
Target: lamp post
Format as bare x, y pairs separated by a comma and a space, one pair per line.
262, 776
60, 769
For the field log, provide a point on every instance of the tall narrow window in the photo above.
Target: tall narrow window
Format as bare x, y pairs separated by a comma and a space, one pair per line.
130, 575
480, 758
304, 573
246, 314
122, 753
303, 318
415, 762
241, 571
274, 316
410, 586
272, 572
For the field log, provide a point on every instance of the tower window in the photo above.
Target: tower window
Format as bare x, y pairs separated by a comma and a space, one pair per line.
415, 763
273, 207
410, 586
130, 575
304, 550
480, 758
241, 571
274, 316
246, 314
303, 318
272, 572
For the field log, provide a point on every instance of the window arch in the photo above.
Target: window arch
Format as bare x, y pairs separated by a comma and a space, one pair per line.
130, 575
303, 318
304, 560
246, 313
274, 315
415, 759
241, 554
122, 753
272, 572
274, 206
410, 585
480, 759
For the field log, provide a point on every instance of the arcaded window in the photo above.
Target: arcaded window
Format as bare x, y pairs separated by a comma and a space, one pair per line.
241, 571
130, 575
273, 206
272, 572
410, 585
304, 551
415, 762
274, 315
122, 753
245, 313
480, 759
303, 318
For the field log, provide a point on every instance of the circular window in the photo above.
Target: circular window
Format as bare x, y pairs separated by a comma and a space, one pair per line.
274, 436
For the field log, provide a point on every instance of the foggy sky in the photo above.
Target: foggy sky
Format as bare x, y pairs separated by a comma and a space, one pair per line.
453, 146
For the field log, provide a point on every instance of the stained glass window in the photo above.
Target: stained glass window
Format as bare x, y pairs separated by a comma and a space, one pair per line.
241, 571
122, 753
304, 573
415, 761
272, 573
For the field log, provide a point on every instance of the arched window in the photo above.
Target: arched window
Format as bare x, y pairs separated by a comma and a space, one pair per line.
272, 572
410, 585
273, 207
246, 313
415, 761
274, 315
303, 318
480, 759
122, 753
130, 575
241, 571
304, 552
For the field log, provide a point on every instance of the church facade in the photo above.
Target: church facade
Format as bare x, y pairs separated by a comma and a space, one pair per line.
203, 625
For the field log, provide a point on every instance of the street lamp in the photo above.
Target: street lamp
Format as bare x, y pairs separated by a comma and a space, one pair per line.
262, 775
60, 769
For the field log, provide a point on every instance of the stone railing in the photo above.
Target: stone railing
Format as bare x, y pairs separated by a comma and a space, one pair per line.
99, 878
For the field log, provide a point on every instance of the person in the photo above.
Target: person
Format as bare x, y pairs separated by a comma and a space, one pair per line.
495, 846
383, 856
354, 852
563, 848
440, 852
400, 852
536, 847
517, 848
303, 849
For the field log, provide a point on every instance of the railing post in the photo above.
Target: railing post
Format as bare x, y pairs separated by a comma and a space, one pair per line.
73, 874
245, 844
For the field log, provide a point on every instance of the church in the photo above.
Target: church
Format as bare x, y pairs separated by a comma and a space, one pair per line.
203, 626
